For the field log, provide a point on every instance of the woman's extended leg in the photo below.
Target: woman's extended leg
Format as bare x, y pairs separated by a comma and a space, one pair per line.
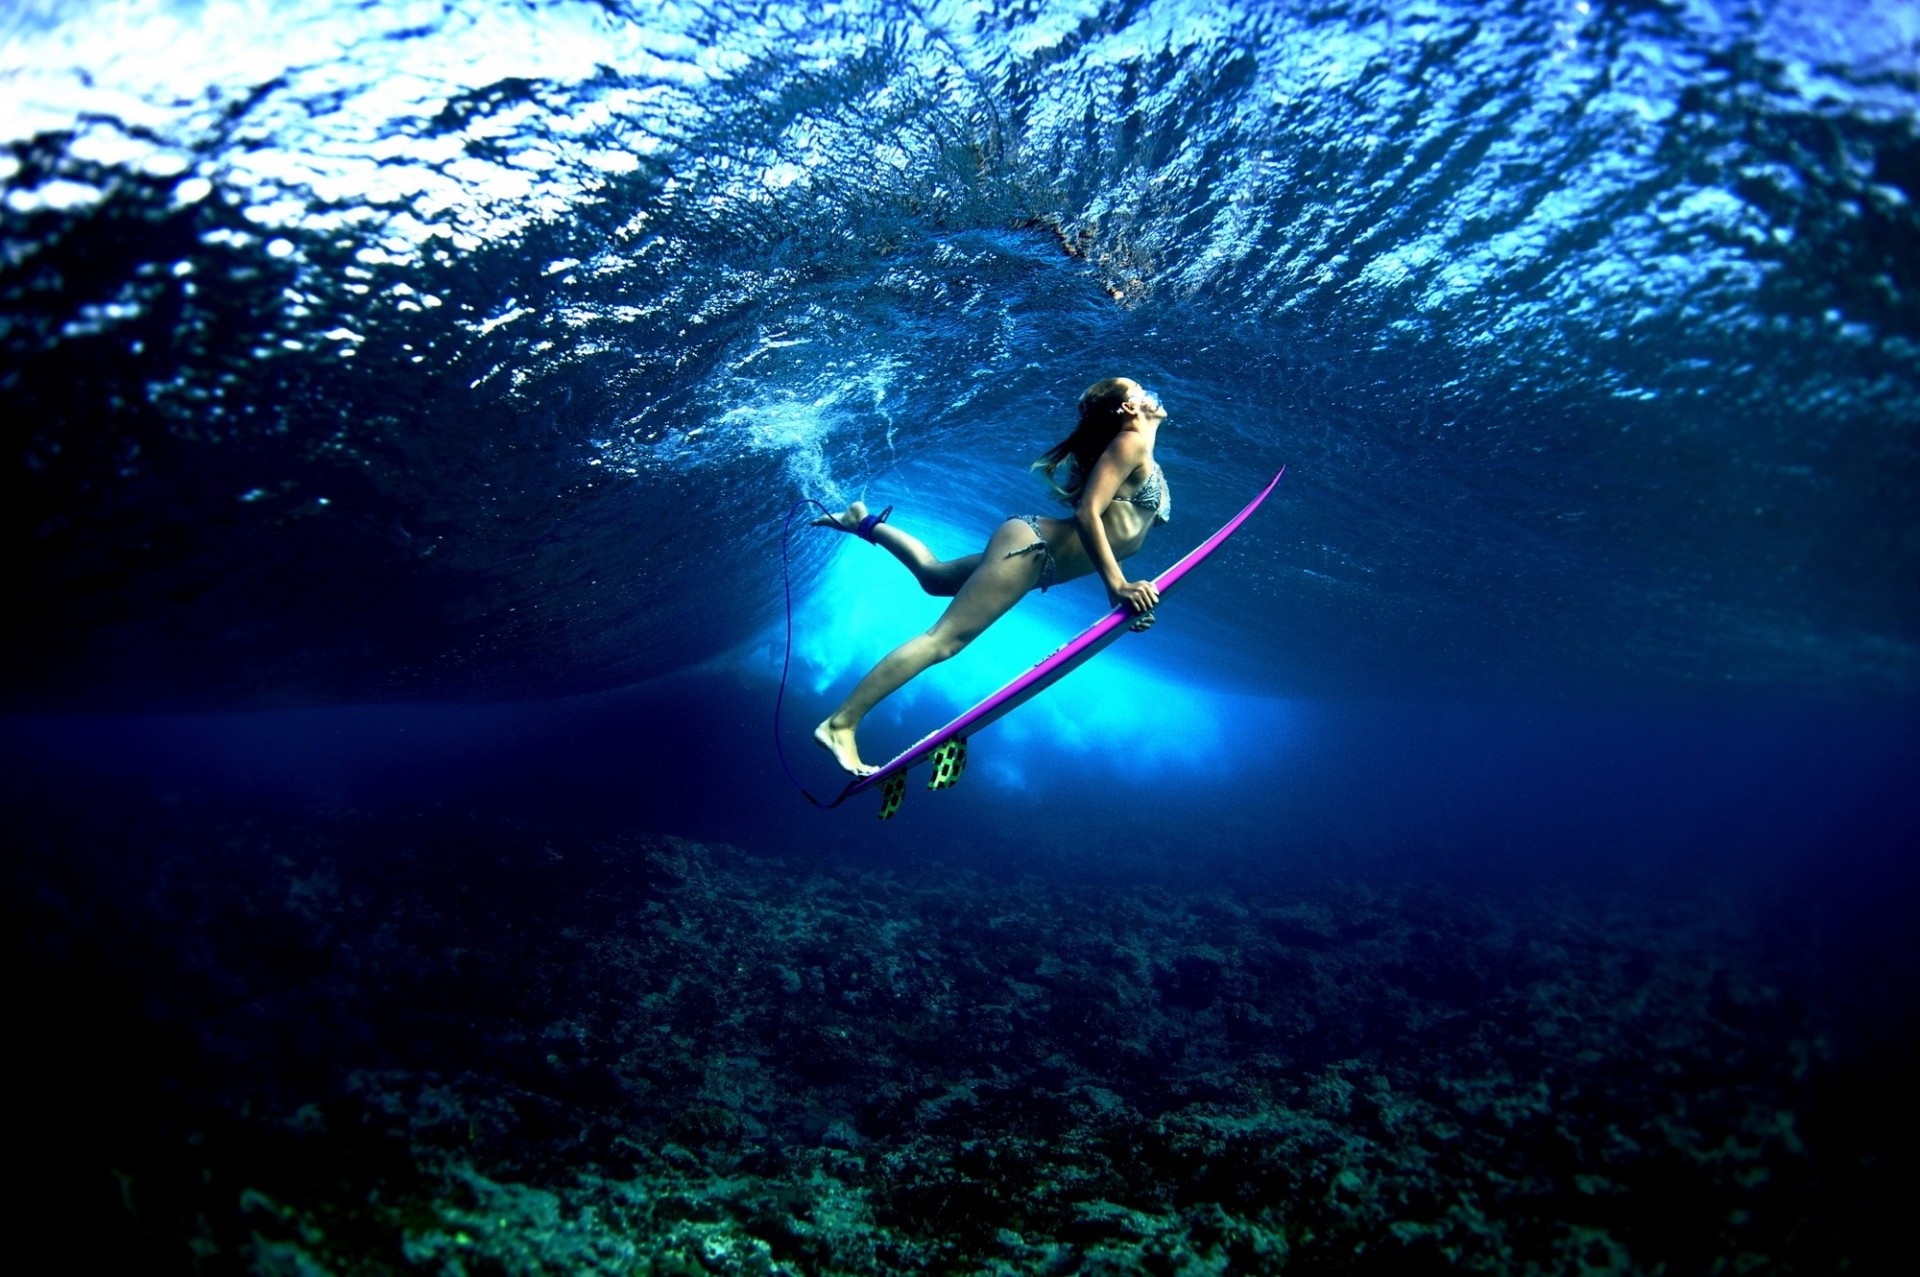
941, 578
987, 595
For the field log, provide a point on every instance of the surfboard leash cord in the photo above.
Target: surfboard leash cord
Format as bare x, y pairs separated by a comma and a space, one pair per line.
786, 660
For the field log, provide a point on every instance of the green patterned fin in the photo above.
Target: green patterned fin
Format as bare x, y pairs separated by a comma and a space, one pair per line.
949, 760
892, 790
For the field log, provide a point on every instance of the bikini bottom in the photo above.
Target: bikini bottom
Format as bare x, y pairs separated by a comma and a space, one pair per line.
1039, 547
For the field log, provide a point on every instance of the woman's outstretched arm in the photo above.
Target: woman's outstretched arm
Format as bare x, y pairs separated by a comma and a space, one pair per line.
1123, 456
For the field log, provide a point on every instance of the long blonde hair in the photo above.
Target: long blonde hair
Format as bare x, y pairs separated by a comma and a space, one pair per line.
1102, 414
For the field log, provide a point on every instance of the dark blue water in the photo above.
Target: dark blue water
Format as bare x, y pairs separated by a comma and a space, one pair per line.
1501, 851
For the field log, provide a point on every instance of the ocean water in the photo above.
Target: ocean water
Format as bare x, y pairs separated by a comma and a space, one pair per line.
1500, 855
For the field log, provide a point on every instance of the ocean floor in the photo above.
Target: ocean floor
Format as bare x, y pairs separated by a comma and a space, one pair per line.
354, 1043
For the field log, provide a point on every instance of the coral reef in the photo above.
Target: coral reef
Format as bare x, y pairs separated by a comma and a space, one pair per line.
350, 1044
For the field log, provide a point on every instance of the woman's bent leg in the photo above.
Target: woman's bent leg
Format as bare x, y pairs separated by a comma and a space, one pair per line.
987, 594
939, 577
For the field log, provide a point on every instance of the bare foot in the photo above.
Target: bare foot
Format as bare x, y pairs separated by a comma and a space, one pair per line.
838, 741
846, 521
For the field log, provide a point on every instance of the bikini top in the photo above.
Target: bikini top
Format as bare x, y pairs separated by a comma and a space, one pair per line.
1152, 493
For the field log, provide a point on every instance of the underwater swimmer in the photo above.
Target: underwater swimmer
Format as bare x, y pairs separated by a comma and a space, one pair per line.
1118, 494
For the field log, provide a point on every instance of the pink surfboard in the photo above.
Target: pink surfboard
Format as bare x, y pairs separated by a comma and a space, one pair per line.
1071, 655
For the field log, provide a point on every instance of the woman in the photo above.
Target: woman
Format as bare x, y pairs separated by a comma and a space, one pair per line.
1118, 493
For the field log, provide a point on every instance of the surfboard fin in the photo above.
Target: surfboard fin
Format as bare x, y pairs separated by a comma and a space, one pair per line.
892, 790
949, 760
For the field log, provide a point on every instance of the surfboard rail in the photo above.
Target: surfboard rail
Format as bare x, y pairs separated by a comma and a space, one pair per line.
1068, 657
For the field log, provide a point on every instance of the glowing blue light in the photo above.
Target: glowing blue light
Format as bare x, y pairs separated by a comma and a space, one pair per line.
1132, 712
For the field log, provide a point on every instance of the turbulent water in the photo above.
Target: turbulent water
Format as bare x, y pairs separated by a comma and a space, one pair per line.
1499, 856
427, 351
